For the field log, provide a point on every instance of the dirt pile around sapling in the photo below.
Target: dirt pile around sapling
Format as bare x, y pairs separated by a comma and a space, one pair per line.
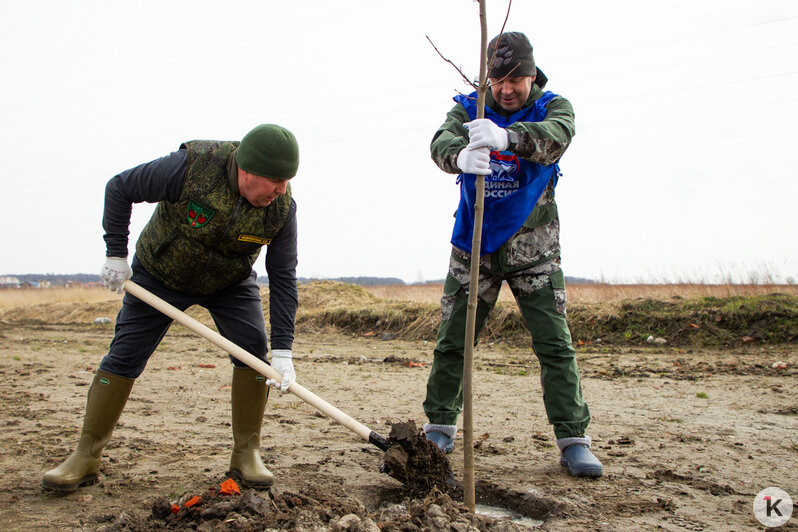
305, 509
417, 462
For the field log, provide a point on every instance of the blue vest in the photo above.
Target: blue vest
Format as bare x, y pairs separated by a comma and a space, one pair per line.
512, 188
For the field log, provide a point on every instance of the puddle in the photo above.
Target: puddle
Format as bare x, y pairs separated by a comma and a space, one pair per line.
503, 513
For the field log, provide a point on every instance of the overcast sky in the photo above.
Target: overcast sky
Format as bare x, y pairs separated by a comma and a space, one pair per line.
684, 166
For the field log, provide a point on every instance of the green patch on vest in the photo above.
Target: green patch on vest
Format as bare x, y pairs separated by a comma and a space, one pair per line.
198, 215
254, 239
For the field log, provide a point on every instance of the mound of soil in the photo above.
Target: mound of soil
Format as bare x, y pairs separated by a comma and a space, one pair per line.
333, 294
306, 509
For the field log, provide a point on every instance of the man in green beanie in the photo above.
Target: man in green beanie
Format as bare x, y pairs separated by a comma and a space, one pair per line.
517, 147
219, 203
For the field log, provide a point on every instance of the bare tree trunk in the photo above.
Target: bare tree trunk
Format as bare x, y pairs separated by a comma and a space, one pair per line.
469, 492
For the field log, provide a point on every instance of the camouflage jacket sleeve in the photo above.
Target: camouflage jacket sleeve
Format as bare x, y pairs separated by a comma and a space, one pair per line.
281, 262
540, 142
158, 180
450, 138
544, 142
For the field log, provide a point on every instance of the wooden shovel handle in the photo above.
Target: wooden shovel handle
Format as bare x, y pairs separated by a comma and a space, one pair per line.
255, 363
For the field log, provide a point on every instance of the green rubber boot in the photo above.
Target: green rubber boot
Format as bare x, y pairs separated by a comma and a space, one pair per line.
248, 403
107, 397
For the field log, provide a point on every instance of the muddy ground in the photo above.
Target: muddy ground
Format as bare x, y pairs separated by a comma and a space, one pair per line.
687, 438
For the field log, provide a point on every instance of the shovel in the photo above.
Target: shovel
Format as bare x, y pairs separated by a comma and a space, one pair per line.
257, 364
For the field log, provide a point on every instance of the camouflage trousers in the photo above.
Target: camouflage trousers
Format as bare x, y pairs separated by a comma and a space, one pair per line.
538, 286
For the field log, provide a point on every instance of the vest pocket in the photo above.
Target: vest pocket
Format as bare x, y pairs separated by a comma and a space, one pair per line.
165, 243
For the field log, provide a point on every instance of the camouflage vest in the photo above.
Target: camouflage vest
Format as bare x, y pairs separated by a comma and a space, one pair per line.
210, 238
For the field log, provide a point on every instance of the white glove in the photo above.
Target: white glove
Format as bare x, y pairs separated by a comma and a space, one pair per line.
114, 273
282, 364
485, 134
474, 161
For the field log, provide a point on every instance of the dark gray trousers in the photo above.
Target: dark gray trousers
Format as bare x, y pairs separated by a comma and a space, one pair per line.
236, 311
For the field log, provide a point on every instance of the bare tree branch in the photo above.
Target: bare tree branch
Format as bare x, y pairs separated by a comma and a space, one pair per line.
492, 58
450, 62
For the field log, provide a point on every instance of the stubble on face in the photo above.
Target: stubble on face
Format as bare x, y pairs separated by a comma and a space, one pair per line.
511, 93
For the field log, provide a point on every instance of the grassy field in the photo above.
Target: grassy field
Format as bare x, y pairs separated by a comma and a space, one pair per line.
683, 314
23, 297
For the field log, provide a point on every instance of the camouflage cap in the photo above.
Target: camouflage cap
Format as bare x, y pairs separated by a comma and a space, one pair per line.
269, 151
513, 56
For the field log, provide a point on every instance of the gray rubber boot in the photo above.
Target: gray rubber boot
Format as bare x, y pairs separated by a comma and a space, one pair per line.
107, 398
441, 435
248, 403
575, 454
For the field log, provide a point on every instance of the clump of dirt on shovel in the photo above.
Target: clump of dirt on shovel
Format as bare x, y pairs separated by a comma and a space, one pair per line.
417, 462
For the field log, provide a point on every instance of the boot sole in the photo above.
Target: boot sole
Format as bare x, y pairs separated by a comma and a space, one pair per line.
236, 475
591, 473
69, 488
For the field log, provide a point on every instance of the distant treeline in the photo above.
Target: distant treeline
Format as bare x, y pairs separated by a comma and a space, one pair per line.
57, 279
390, 281
82, 278
362, 281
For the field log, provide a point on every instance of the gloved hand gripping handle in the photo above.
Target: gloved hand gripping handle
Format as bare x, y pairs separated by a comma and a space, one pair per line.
255, 363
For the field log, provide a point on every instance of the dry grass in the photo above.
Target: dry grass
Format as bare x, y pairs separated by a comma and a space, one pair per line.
431, 293
599, 293
24, 297
684, 314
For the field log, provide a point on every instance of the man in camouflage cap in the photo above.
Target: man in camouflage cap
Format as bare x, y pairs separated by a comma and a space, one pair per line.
219, 202
517, 147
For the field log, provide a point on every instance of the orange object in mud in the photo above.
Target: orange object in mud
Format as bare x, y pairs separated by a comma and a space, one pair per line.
229, 487
206, 366
196, 499
174, 508
416, 364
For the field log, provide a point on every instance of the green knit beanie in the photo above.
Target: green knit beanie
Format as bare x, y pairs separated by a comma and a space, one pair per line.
269, 151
